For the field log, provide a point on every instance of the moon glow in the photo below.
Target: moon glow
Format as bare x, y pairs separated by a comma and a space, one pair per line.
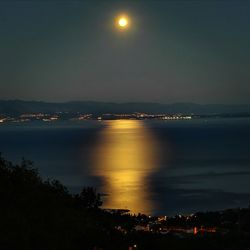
123, 22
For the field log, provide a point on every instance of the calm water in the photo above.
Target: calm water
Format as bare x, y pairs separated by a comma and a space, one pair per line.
159, 167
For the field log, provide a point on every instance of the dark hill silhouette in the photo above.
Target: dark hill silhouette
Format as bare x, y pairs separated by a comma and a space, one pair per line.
37, 214
42, 215
17, 107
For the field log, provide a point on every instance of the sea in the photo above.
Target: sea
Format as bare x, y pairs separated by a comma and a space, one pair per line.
152, 167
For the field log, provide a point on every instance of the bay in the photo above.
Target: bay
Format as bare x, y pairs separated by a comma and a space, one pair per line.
152, 167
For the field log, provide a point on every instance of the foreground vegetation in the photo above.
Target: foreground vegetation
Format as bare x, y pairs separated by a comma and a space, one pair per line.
37, 214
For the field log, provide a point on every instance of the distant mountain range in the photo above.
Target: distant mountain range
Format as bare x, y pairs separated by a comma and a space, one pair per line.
17, 107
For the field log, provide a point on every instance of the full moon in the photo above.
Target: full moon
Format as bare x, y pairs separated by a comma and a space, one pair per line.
122, 22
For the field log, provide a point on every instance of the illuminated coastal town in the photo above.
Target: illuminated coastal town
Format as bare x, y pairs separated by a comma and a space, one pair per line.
44, 117
195, 224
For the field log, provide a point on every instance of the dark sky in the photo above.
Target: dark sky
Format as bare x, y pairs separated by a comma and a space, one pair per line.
173, 51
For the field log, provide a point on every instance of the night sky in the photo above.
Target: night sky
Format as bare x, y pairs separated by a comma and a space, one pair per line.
173, 51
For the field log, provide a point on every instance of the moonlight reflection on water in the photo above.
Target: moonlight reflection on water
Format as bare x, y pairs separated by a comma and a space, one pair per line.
125, 157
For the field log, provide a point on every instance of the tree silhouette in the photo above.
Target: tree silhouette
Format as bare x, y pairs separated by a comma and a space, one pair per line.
89, 198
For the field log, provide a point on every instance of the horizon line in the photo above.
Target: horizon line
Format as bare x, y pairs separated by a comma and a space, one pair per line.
122, 102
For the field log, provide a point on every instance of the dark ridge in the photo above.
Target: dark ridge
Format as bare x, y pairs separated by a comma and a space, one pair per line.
17, 107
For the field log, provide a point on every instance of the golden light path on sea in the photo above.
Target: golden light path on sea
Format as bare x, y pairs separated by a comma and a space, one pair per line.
125, 157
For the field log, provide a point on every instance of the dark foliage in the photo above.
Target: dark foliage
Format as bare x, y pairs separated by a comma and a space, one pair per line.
88, 198
43, 215
37, 214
